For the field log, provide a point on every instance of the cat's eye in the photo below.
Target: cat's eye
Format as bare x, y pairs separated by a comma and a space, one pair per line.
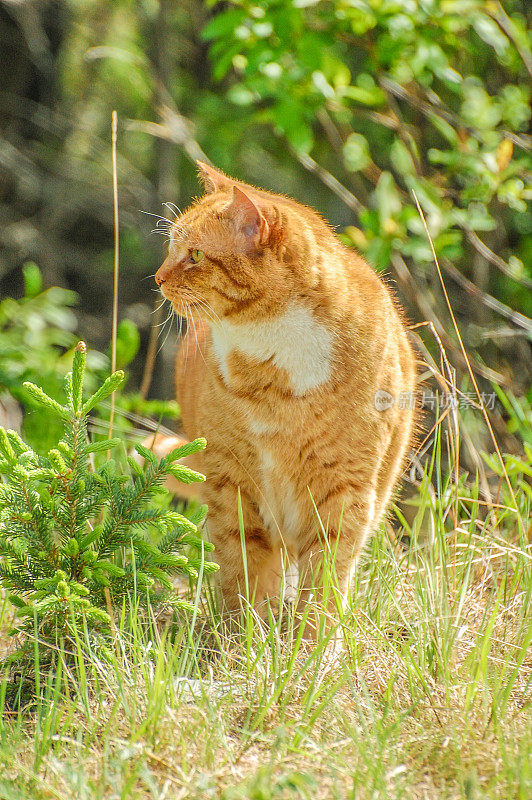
196, 256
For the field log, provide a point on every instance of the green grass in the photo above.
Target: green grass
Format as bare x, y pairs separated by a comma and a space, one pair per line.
428, 698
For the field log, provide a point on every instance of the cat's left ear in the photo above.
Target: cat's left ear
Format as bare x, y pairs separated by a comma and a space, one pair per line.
248, 219
213, 180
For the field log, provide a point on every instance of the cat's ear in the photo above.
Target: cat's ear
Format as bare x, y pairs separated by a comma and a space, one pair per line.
213, 180
248, 219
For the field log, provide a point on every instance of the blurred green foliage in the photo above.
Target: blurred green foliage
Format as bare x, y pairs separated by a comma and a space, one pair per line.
37, 343
398, 97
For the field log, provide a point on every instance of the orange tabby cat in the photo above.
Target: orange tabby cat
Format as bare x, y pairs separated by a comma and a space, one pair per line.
295, 368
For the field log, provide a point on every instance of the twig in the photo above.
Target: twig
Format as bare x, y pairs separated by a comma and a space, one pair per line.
491, 302
505, 23
174, 128
482, 248
430, 110
425, 306
330, 181
114, 129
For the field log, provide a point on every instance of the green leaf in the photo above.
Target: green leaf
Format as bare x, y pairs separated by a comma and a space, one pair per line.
127, 342
146, 454
373, 96
198, 543
401, 158
112, 569
43, 400
489, 31
185, 474
101, 578
186, 450
57, 461
289, 116
32, 279
111, 384
106, 444
78, 372
17, 601
356, 152
199, 514
5, 446
175, 518
223, 24
136, 469
388, 199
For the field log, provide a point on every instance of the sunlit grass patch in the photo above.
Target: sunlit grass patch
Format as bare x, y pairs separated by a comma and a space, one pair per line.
429, 696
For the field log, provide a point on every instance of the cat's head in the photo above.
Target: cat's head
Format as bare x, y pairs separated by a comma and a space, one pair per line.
235, 248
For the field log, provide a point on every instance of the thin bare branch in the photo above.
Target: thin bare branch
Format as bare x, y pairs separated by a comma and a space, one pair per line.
491, 302
330, 181
114, 133
483, 249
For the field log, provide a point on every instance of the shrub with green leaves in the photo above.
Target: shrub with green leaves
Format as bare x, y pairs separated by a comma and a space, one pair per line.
73, 535
395, 97
36, 341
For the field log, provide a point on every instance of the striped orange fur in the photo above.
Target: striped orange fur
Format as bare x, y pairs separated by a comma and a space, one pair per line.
291, 335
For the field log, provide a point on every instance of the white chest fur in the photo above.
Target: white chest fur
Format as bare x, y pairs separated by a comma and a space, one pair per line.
294, 340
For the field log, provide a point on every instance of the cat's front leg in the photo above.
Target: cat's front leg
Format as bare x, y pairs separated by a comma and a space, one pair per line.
250, 565
256, 579
328, 554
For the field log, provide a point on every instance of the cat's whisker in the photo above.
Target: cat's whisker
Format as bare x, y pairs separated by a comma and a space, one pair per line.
199, 349
173, 209
209, 310
188, 312
155, 310
205, 309
164, 231
162, 324
168, 333
178, 236
207, 306
182, 317
161, 232
195, 331
161, 332
179, 325
158, 217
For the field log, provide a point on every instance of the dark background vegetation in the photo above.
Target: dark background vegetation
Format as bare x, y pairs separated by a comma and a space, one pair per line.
348, 106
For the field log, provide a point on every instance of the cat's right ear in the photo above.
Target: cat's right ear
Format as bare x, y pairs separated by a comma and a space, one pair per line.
213, 180
248, 219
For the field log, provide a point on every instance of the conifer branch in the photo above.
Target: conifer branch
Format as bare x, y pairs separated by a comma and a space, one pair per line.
69, 534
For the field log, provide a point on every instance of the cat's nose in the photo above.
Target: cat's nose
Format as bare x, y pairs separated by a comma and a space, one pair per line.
166, 268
